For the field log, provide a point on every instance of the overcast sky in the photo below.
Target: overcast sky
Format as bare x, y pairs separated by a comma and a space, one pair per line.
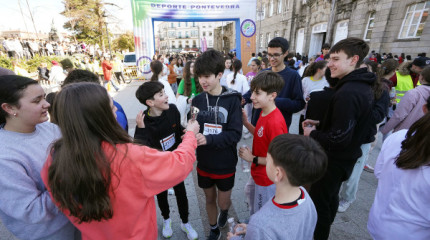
45, 10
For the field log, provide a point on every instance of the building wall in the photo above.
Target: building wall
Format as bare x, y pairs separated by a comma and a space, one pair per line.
298, 14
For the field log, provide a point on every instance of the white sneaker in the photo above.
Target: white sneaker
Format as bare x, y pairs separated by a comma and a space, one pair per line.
343, 206
167, 228
189, 230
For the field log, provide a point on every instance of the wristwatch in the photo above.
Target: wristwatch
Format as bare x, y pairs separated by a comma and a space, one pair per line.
255, 160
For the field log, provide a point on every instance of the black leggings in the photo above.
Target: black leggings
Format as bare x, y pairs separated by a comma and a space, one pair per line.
181, 200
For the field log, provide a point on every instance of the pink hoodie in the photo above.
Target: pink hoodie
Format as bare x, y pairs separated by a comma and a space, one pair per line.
409, 109
139, 173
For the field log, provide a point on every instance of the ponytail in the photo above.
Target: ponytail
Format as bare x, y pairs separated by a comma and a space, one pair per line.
237, 65
156, 68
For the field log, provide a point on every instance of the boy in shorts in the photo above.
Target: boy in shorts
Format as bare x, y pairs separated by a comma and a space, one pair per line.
220, 130
265, 88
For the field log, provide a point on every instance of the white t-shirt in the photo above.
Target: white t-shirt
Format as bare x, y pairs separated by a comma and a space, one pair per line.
309, 85
240, 83
401, 209
168, 89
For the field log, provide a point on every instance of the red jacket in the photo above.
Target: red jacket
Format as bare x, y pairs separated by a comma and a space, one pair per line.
107, 67
138, 174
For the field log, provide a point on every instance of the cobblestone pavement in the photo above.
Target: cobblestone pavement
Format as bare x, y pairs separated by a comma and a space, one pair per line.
349, 225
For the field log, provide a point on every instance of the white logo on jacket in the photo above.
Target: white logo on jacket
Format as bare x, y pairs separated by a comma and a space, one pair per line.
260, 131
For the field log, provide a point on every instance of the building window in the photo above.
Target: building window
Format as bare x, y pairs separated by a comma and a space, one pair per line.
171, 25
415, 18
210, 43
210, 33
186, 24
280, 6
268, 38
271, 8
194, 43
261, 40
204, 34
264, 12
186, 34
179, 24
369, 28
179, 34
194, 24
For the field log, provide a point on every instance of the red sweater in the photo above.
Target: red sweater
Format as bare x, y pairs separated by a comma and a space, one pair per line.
143, 173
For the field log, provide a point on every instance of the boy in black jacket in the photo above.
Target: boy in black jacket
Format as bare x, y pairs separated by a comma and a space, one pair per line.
160, 127
349, 116
220, 120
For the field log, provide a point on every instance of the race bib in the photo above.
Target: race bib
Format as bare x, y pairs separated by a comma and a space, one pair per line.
168, 142
212, 129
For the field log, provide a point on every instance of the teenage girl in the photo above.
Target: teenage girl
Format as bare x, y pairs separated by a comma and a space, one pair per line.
314, 80
236, 80
25, 136
103, 182
189, 86
228, 69
401, 208
158, 75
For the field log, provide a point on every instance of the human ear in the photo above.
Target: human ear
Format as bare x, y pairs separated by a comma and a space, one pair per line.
8, 108
279, 175
354, 60
149, 102
218, 77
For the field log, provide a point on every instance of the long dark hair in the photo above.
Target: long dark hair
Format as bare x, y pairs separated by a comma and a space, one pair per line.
80, 174
387, 67
237, 65
187, 79
11, 90
257, 62
313, 68
415, 148
156, 68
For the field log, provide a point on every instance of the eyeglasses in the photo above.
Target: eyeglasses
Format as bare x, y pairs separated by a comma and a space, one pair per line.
276, 55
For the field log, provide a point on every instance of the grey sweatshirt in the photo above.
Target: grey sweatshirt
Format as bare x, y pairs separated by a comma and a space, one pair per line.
272, 222
26, 208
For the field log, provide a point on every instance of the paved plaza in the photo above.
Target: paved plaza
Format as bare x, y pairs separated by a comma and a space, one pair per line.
349, 225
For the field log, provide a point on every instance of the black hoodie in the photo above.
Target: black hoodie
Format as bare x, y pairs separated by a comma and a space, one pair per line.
348, 119
163, 132
219, 155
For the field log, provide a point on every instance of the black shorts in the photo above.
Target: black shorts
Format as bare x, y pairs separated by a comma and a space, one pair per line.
224, 185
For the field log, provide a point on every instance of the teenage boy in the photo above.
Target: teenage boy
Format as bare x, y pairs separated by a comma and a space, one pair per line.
265, 87
292, 161
348, 119
220, 130
290, 98
160, 127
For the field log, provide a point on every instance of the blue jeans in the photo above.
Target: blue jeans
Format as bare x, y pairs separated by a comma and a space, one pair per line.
113, 84
349, 188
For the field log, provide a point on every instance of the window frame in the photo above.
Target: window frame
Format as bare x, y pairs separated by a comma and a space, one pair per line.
371, 17
409, 25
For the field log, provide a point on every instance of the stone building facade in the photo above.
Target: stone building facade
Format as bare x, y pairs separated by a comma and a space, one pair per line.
224, 37
396, 26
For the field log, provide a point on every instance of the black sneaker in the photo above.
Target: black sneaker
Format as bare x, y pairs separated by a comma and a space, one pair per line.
222, 219
214, 235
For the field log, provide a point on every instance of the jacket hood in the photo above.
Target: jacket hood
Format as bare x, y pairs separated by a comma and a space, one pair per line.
358, 75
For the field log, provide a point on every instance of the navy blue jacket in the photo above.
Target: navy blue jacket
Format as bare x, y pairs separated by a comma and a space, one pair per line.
290, 99
219, 155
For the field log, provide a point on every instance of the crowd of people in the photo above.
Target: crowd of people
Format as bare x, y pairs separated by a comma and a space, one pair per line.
19, 48
78, 174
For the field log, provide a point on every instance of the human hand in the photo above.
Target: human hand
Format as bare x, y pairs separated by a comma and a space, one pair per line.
310, 123
201, 139
308, 129
246, 154
243, 102
193, 126
240, 229
139, 120
244, 116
